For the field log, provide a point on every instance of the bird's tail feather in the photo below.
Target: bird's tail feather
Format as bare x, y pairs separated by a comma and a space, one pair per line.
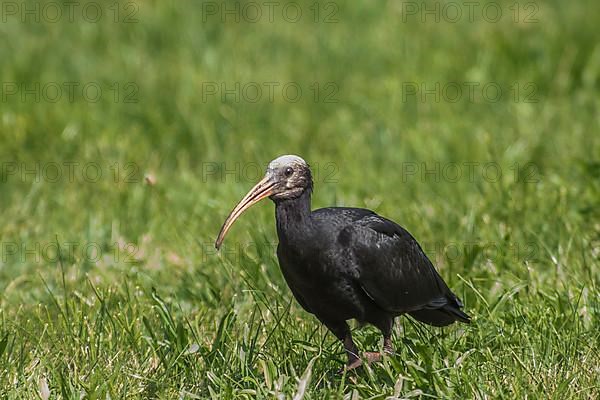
442, 316
457, 313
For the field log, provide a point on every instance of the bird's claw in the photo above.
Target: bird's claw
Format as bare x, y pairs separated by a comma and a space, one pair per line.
350, 366
370, 357
373, 357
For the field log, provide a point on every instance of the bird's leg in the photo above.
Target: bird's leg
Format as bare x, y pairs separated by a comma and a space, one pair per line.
388, 348
342, 331
354, 360
385, 325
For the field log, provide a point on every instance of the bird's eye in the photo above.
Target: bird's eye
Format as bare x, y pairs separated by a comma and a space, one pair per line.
289, 171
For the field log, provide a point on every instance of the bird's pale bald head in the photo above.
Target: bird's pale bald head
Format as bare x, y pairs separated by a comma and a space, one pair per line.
291, 174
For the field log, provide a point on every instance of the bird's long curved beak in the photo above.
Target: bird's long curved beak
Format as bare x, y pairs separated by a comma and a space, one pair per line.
262, 189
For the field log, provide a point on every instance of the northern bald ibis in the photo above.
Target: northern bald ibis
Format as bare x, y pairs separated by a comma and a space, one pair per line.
348, 263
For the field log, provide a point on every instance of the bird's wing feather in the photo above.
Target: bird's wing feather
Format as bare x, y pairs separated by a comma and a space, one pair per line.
393, 269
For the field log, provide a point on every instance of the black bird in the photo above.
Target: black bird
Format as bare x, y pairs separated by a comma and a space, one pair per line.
348, 263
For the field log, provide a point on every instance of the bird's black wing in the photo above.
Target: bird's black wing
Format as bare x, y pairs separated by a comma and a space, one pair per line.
394, 271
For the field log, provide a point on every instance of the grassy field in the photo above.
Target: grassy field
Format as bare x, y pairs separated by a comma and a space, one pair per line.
129, 130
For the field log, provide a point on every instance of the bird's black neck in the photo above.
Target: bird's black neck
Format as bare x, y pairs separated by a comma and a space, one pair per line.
292, 215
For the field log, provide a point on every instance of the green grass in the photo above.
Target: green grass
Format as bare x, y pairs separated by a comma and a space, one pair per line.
110, 288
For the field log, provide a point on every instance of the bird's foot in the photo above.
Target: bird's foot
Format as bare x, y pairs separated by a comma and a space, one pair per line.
351, 366
372, 357
389, 351
369, 357
388, 348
